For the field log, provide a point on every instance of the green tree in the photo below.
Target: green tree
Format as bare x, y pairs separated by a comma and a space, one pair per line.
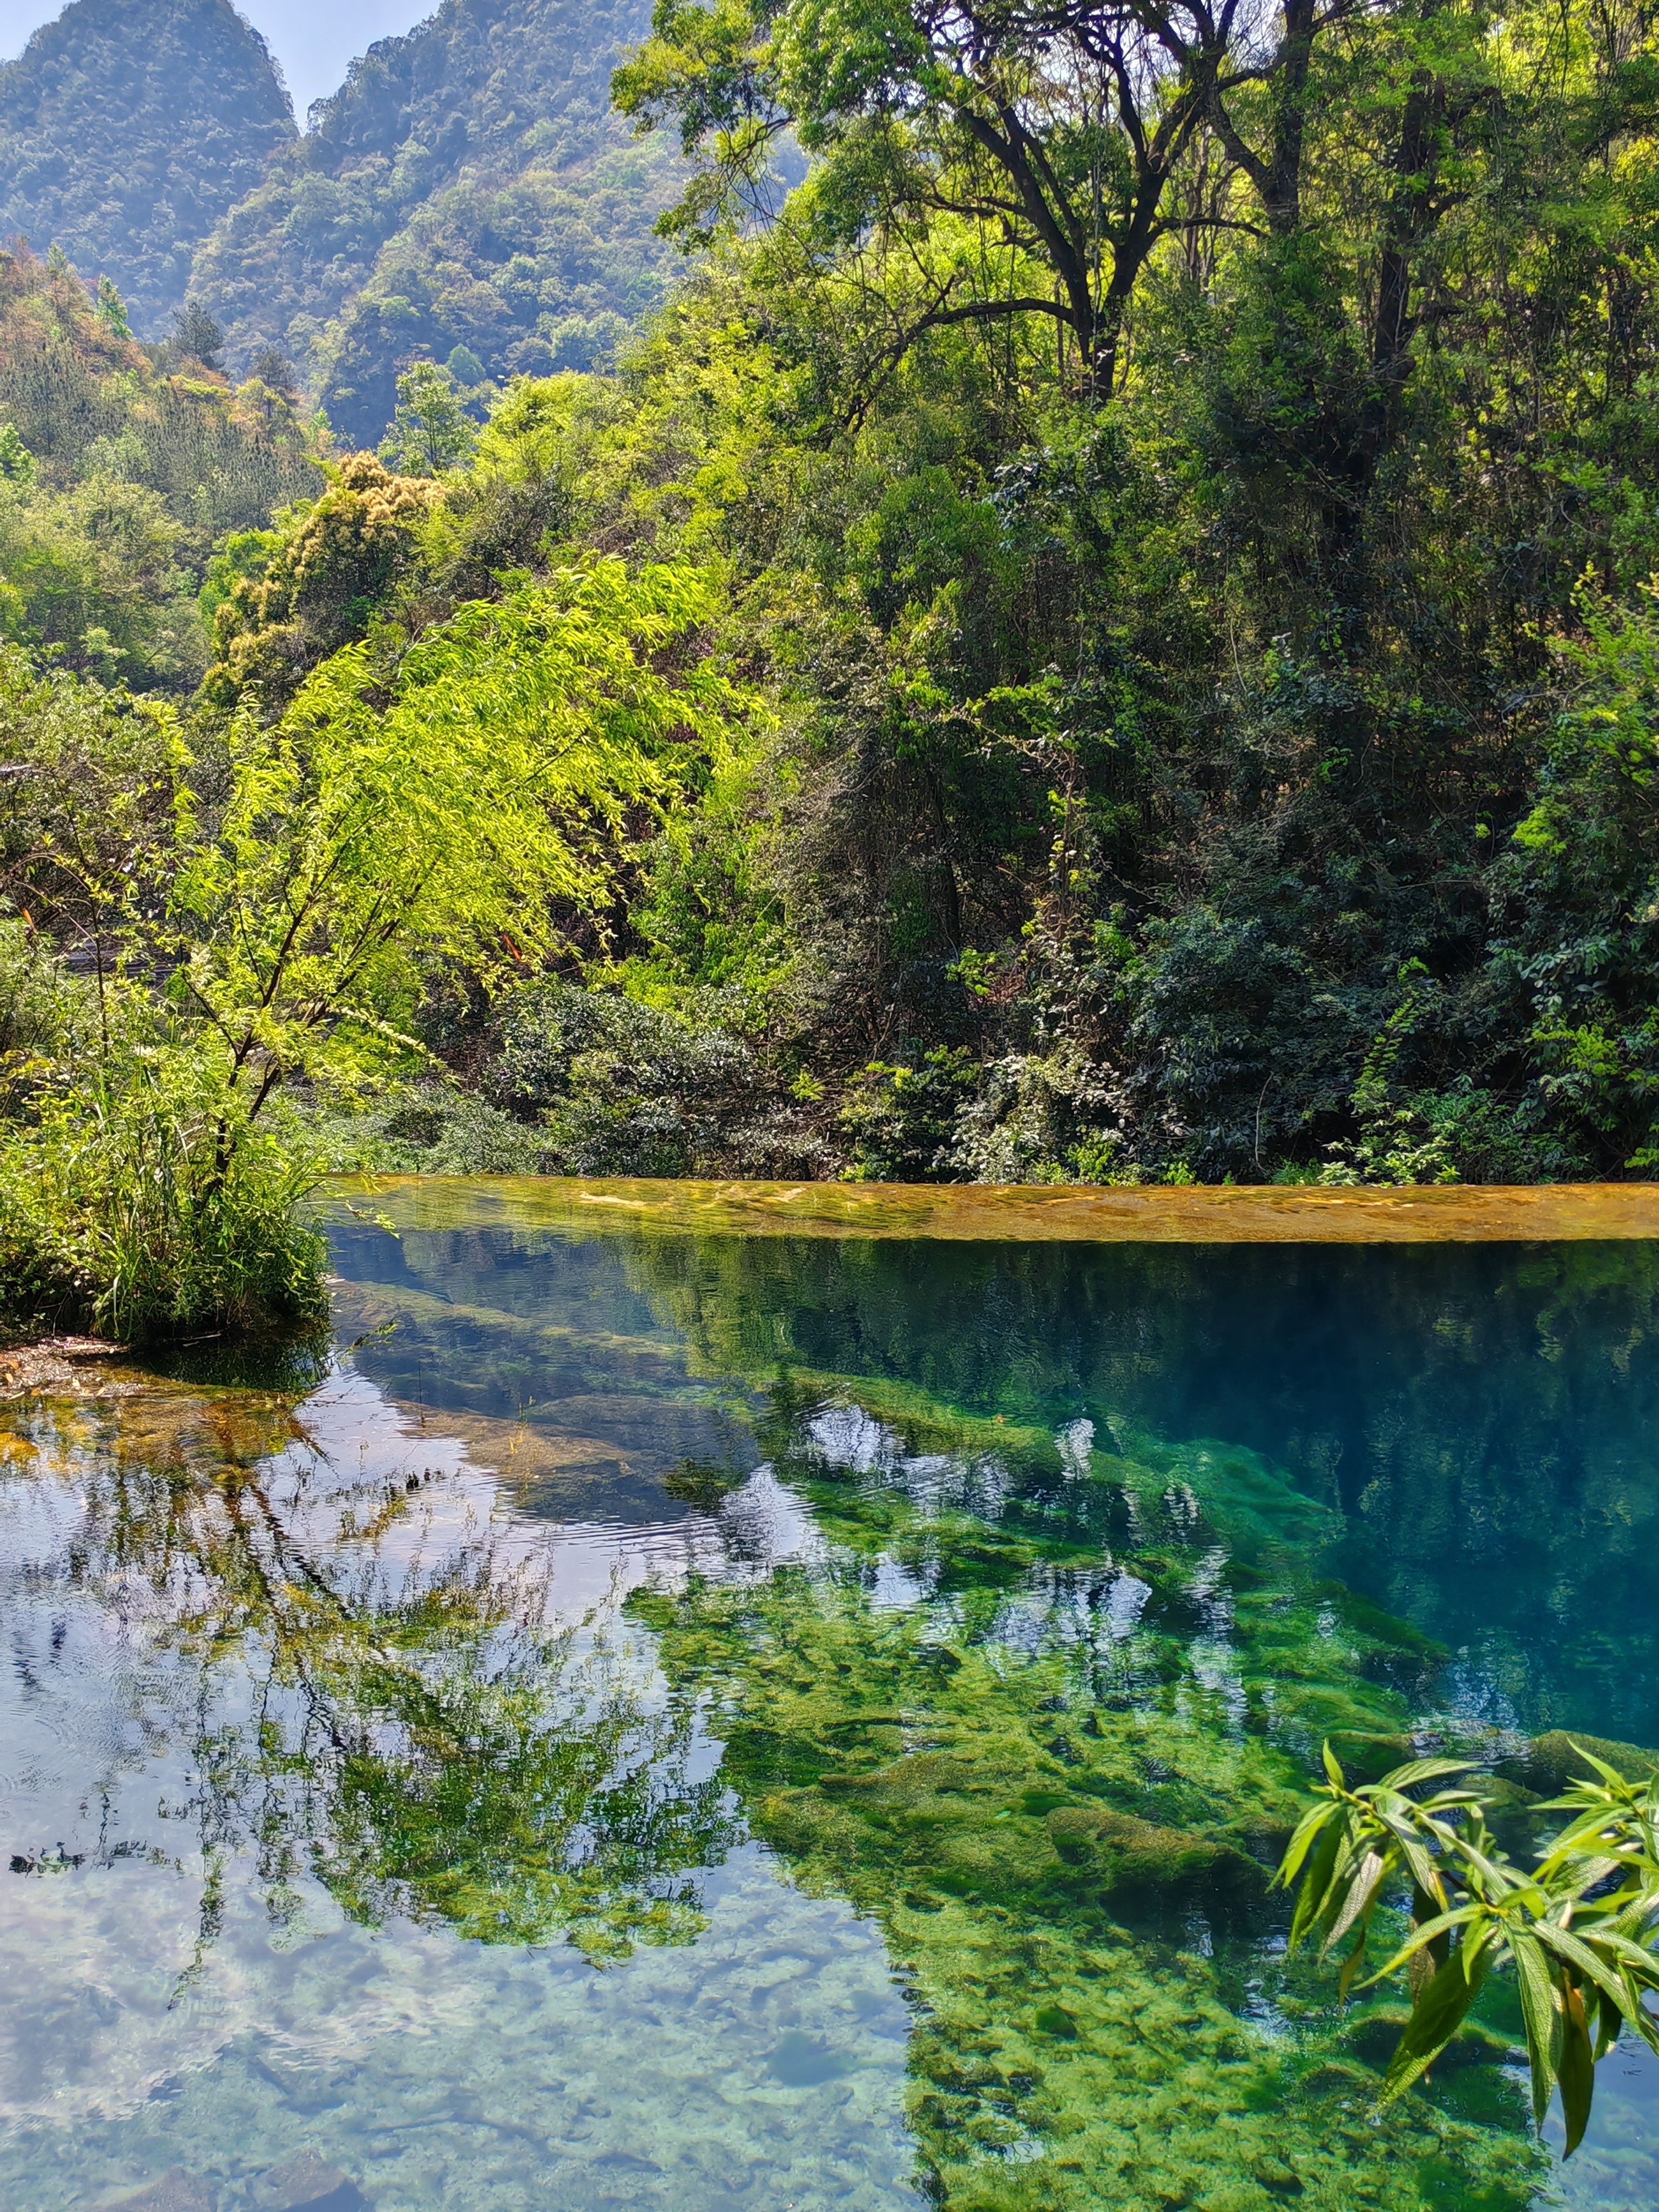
197, 336
110, 309
468, 801
471, 800
331, 571
1023, 162
17, 462
431, 433
97, 574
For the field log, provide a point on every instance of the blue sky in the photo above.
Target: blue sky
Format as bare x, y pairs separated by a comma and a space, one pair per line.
313, 40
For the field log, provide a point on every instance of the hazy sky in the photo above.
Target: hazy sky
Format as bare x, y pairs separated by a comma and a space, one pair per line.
313, 40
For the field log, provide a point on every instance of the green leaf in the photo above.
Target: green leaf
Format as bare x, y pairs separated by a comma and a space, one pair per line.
1568, 1946
1646, 2025
1362, 1892
1424, 1872
1425, 1934
1633, 1958
1315, 1882
1422, 1769
1610, 2019
1610, 1775
1541, 2017
1333, 1770
1310, 1825
1436, 2018
1351, 1967
1633, 1921
1500, 1880
1578, 2069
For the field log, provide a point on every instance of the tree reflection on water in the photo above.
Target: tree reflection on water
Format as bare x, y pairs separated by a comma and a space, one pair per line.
376, 1688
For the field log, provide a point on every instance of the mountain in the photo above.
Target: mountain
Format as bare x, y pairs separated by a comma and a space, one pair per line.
127, 129
468, 192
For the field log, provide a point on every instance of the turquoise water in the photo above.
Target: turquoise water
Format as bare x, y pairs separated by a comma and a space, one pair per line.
648, 1719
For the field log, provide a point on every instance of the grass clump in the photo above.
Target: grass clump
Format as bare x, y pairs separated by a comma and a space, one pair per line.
137, 1198
133, 1211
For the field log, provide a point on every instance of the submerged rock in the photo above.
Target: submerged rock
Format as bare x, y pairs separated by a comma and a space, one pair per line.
1375, 2037
309, 2184
1127, 1854
176, 2191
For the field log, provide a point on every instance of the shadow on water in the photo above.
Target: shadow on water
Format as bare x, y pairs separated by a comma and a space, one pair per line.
291, 1366
667, 1717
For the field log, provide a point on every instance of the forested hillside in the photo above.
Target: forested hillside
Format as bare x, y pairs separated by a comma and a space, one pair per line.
1196, 471
1184, 493
121, 467
468, 187
127, 128
1110, 635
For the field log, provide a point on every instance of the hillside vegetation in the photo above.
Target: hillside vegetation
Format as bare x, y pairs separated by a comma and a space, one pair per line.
1109, 635
121, 467
127, 129
468, 187
1196, 547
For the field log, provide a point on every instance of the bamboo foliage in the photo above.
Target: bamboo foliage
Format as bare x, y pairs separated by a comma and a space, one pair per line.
468, 802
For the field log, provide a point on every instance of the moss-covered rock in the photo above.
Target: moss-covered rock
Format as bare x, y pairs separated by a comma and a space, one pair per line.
1125, 1854
1554, 1760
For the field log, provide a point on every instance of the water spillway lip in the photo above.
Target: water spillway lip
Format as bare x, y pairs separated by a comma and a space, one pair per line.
1244, 1213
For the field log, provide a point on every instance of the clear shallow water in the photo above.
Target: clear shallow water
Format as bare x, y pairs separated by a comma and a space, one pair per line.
705, 1720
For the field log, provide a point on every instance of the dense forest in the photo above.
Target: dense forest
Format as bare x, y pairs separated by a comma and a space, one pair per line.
1103, 632
467, 194
127, 129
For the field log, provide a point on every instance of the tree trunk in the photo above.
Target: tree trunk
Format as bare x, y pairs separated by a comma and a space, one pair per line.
1282, 188
1411, 217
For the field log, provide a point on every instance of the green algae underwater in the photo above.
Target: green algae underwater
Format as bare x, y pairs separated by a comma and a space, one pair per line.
629, 1607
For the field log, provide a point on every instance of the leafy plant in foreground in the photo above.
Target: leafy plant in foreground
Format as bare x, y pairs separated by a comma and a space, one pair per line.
1580, 1931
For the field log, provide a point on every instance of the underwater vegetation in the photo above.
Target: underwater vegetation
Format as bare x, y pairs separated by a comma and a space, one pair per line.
1055, 1746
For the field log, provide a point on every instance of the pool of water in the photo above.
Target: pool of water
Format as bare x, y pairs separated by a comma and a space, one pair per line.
653, 1714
